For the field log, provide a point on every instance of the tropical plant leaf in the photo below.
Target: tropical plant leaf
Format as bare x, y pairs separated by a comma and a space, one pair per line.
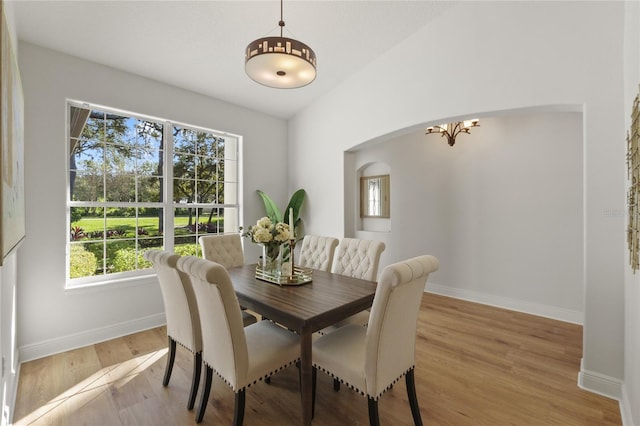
273, 212
295, 203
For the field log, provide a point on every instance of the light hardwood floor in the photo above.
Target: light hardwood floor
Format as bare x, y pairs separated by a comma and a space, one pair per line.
475, 365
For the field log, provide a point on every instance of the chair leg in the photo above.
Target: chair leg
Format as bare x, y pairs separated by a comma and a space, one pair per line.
171, 357
336, 385
204, 398
314, 378
374, 419
413, 399
195, 380
238, 413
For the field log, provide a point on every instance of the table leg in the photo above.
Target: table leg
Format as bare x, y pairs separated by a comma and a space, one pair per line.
306, 368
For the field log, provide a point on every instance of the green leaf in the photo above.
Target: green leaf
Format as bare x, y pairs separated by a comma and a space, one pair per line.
296, 204
273, 212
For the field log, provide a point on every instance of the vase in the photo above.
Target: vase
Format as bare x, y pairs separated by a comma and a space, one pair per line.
271, 261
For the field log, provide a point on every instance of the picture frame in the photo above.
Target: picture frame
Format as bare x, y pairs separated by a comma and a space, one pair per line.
12, 203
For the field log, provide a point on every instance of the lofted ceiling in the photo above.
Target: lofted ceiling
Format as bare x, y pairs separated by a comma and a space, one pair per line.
199, 45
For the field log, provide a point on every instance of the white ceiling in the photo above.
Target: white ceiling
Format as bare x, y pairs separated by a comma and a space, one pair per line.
199, 45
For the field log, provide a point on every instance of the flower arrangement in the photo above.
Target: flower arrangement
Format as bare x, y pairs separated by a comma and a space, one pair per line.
267, 233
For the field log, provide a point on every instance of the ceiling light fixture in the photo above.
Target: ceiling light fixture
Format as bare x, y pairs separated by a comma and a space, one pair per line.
452, 130
280, 62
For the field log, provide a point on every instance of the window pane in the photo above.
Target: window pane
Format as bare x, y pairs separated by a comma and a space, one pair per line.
120, 187
87, 157
86, 186
121, 256
85, 260
207, 192
184, 191
209, 168
150, 223
149, 189
184, 166
184, 140
121, 223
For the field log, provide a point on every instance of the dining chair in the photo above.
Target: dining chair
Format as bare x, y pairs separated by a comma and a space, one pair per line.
241, 356
356, 258
371, 359
225, 249
181, 310
317, 252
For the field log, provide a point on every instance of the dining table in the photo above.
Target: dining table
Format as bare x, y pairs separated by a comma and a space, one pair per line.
304, 309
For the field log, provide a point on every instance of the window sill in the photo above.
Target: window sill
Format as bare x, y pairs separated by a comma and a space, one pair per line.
111, 284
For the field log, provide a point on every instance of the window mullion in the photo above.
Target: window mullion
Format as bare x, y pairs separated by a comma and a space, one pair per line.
169, 211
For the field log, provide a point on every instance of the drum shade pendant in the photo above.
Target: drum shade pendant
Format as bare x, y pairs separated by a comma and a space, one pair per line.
280, 62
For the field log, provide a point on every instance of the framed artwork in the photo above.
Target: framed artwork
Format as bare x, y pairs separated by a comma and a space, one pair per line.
633, 194
12, 206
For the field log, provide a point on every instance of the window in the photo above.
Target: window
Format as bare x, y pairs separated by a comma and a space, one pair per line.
138, 183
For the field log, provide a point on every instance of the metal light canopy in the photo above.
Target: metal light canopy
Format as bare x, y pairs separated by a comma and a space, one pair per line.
452, 130
280, 62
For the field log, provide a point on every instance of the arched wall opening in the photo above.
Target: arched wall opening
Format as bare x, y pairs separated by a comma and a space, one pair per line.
503, 209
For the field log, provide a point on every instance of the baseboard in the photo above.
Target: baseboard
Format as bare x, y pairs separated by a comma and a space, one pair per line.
554, 312
625, 409
599, 383
89, 337
7, 414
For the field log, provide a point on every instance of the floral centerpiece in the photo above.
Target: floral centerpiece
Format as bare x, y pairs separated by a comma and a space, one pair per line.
271, 236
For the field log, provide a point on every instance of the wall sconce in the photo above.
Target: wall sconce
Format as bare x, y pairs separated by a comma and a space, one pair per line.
451, 130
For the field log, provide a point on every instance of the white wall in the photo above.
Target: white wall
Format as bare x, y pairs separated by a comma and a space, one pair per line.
51, 319
482, 57
8, 284
501, 209
631, 388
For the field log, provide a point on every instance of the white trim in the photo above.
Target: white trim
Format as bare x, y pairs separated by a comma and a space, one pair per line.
554, 312
625, 408
89, 337
13, 392
601, 384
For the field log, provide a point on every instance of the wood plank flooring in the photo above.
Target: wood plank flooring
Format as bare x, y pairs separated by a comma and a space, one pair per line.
475, 365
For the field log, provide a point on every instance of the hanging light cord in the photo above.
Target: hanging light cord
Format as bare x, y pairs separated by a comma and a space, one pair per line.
281, 23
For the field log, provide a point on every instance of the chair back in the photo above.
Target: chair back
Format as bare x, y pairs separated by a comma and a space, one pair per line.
317, 252
224, 342
225, 249
358, 258
391, 333
181, 309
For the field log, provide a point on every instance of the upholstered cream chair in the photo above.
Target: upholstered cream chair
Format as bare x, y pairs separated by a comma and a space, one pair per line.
183, 321
317, 252
359, 259
371, 359
225, 249
240, 356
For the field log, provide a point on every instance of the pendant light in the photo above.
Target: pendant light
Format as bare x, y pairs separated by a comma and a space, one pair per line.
280, 62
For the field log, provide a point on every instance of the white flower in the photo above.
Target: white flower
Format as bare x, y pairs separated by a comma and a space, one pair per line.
265, 222
282, 232
262, 235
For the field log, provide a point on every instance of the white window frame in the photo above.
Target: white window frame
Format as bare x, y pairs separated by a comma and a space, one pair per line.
231, 210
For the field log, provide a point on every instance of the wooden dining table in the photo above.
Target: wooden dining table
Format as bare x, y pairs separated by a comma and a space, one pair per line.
305, 309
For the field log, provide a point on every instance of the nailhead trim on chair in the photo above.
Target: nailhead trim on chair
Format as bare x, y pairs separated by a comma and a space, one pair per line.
354, 388
271, 373
184, 346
